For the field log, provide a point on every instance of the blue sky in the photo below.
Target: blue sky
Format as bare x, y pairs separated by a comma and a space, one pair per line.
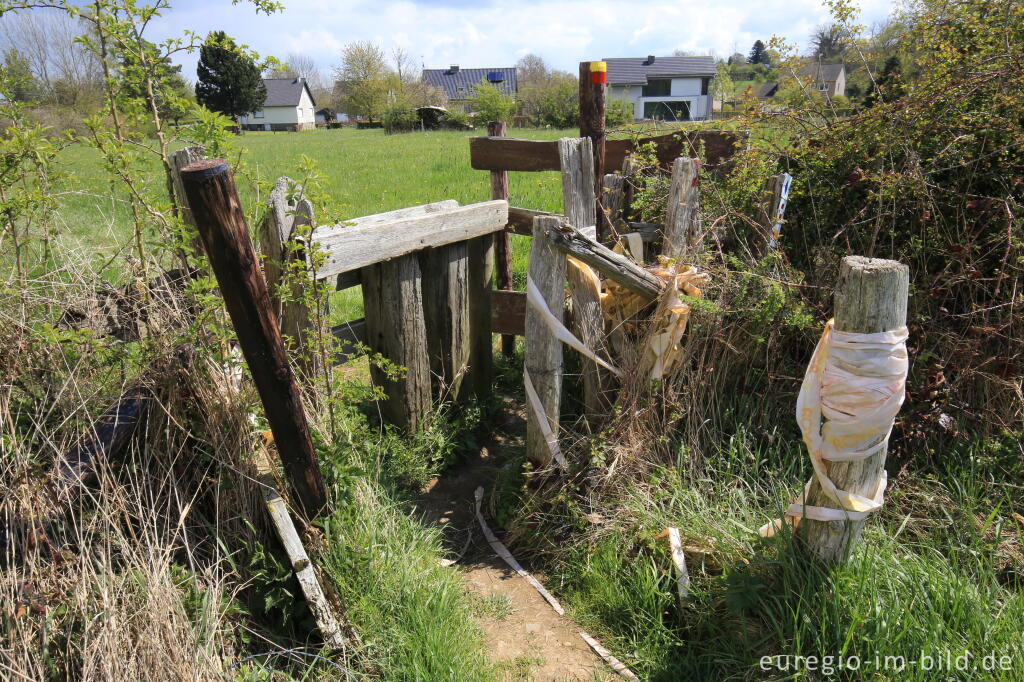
475, 33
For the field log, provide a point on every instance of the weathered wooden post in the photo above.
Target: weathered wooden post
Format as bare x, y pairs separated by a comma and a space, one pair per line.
682, 217
773, 211
446, 316
588, 319
502, 241
218, 215
543, 351
871, 296
593, 79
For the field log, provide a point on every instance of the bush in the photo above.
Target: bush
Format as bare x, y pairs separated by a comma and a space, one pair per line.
457, 120
491, 104
400, 120
618, 112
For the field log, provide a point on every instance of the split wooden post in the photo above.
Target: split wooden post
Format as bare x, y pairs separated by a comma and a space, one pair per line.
502, 240
871, 296
682, 217
772, 208
179, 160
481, 351
395, 328
446, 316
217, 212
613, 194
588, 319
281, 245
543, 350
593, 76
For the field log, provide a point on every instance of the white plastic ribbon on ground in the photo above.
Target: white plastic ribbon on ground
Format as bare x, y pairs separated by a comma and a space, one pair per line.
856, 382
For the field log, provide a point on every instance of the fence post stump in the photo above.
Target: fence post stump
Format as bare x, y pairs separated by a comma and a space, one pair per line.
871, 296
179, 160
772, 209
613, 193
217, 212
395, 328
593, 76
502, 240
682, 218
587, 316
543, 350
446, 316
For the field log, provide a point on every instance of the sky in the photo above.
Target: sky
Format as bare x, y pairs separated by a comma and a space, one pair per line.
492, 33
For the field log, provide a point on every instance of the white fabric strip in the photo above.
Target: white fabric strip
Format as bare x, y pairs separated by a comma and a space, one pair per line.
533, 400
675, 546
615, 664
536, 300
856, 382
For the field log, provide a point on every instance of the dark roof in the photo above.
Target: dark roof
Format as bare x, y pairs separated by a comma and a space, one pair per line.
821, 72
636, 70
285, 92
459, 84
766, 90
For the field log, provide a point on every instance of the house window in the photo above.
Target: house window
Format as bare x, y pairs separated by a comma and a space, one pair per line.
667, 111
258, 113
704, 85
658, 87
823, 86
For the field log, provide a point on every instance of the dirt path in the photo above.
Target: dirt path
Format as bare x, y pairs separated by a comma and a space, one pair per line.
525, 637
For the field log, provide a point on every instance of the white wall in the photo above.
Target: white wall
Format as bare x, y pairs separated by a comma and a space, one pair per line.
685, 87
304, 113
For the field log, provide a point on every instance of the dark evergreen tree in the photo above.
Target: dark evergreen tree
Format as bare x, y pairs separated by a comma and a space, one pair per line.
758, 54
888, 84
229, 81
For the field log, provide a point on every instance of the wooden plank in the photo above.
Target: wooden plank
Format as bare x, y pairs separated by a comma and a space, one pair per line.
592, 126
520, 220
608, 263
395, 328
508, 312
356, 246
481, 352
613, 195
502, 243
513, 154
543, 350
347, 280
348, 334
871, 296
649, 232
218, 214
682, 214
446, 316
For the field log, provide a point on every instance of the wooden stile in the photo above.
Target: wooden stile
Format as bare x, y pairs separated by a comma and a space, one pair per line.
508, 312
502, 241
543, 350
446, 316
217, 211
609, 264
871, 296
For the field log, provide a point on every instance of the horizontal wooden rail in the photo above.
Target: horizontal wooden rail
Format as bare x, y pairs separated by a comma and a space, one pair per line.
615, 267
508, 312
356, 245
513, 154
520, 220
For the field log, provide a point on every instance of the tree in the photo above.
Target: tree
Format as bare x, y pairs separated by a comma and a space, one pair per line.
722, 86
736, 58
758, 54
829, 42
491, 103
229, 80
361, 82
22, 85
888, 86
532, 70
148, 75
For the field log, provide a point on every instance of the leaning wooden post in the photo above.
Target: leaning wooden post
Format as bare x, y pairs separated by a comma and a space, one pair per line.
543, 350
217, 212
871, 296
502, 241
593, 77
682, 218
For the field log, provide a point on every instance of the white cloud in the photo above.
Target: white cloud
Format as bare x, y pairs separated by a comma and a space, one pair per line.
564, 32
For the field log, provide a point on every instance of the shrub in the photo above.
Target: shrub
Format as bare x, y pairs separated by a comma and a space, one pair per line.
399, 119
491, 104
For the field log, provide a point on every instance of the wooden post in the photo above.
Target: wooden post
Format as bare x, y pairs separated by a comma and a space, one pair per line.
613, 194
682, 218
179, 160
543, 354
772, 208
217, 211
502, 240
395, 328
446, 316
871, 296
593, 76
588, 319
280, 246
481, 356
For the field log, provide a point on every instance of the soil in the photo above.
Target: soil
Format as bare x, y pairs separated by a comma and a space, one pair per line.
526, 638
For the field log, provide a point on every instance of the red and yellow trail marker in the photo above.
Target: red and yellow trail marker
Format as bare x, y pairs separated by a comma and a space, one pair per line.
598, 72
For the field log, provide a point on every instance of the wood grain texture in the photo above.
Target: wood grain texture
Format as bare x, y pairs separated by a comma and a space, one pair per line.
502, 241
871, 296
395, 328
613, 194
508, 312
520, 220
446, 316
767, 210
581, 211
178, 160
543, 350
481, 354
608, 263
214, 202
514, 154
682, 215
355, 246
592, 126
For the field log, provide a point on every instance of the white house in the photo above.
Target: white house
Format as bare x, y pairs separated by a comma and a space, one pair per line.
664, 88
289, 105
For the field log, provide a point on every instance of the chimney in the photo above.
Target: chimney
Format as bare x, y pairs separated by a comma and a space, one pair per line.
650, 60
453, 69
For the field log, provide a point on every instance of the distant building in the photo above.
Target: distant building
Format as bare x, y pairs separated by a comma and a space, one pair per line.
459, 84
289, 105
664, 88
828, 79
